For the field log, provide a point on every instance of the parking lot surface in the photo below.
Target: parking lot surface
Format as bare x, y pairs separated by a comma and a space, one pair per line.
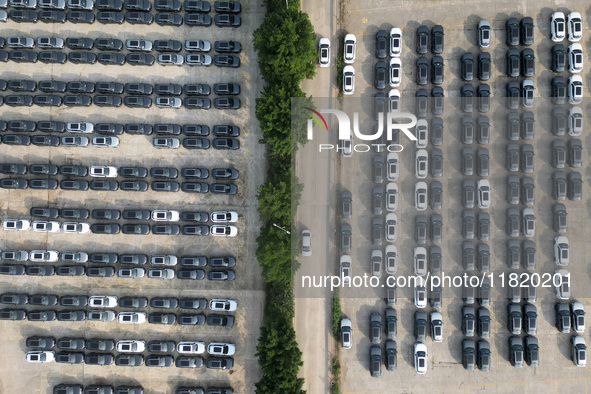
17, 375
445, 371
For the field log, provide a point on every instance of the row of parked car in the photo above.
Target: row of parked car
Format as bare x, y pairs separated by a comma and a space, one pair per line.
72, 388
112, 185
128, 5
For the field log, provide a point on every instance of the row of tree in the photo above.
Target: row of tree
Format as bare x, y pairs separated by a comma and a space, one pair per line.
285, 43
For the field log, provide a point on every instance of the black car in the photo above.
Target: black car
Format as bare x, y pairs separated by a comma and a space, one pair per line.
52, 57
98, 359
39, 342
167, 128
103, 258
139, 59
558, 58
227, 61
380, 75
74, 185
43, 169
100, 272
197, 6
41, 316
528, 62
13, 314
138, 88
77, 214
167, 46
108, 44
52, 86
109, 87
23, 16
226, 103
139, 229
195, 143
164, 172
40, 270
138, 128
137, 101
107, 100
195, 187
77, 101
16, 100
135, 18
168, 5
70, 270
165, 229
164, 186
437, 70
197, 20
45, 140
48, 100
227, 46
133, 172
106, 214
527, 31
467, 67
13, 183
220, 320
161, 318
21, 125
68, 358
196, 89
11, 269
111, 58
168, 89
484, 66
195, 130
105, 228
73, 170
512, 29
79, 43
52, 16
23, 56
226, 89
108, 17
80, 17
21, 85
108, 5
13, 169
422, 40
133, 302
226, 143
16, 139
100, 344
82, 57
80, 86
382, 40
437, 39
197, 103
195, 173
46, 213
168, 19
108, 128
190, 274
559, 88
138, 5
194, 261
227, 6
223, 188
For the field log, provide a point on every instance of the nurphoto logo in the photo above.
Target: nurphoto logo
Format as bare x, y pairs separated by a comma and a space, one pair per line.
395, 121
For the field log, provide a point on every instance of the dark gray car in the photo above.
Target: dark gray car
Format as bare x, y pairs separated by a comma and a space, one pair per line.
467, 64
422, 71
513, 254
558, 153
482, 161
377, 231
468, 193
528, 191
575, 186
437, 70
468, 224
559, 188
559, 215
575, 153
346, 237
467, 161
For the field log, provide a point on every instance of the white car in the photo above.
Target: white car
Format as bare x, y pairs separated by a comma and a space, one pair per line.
102, 301
221, 349
43, 256
392, 161
168, 102
79, 127
484, 193
166, 259
175, 59
529, 222
395, 72
345, 265
222, 305
74, 257
562, 291
575, 58
527, 91
16, 224
350, 50
422, 133
575, 121
324, 46
105, 142
376, 263
421, 196
558, 26
421, 164
393, 100
224, 217
575, 89
578, 316
391, 259
420, 261
40, 356
484, 31
157, 273
219, 230
306, 243
102, 171
395, 42
131, 317
46, 227
190, 347
420, 295
575, 27
347, 147
76, 228
346, 333
131, 346
348, 80
579, 351
391, 197
420, 358
391, 227
561, 251
163, 215
436, 327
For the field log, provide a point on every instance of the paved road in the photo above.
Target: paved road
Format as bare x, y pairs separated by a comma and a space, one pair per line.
312, 319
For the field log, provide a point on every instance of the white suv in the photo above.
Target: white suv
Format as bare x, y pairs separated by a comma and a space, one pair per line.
162, 215
43, 256
131, 346
561, 251
46, 227
221, 349
575, 58
16, 224
575, 27
76, 228
190, 347
103, 171
224, 216
131, 317
102, 301
79, 127
557, 26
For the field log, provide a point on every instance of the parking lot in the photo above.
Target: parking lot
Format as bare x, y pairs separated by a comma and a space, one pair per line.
137, 151
445, 371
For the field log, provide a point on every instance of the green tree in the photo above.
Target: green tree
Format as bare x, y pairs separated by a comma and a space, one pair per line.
279, 357
286, 46
280, 299
274, 254
275, 202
